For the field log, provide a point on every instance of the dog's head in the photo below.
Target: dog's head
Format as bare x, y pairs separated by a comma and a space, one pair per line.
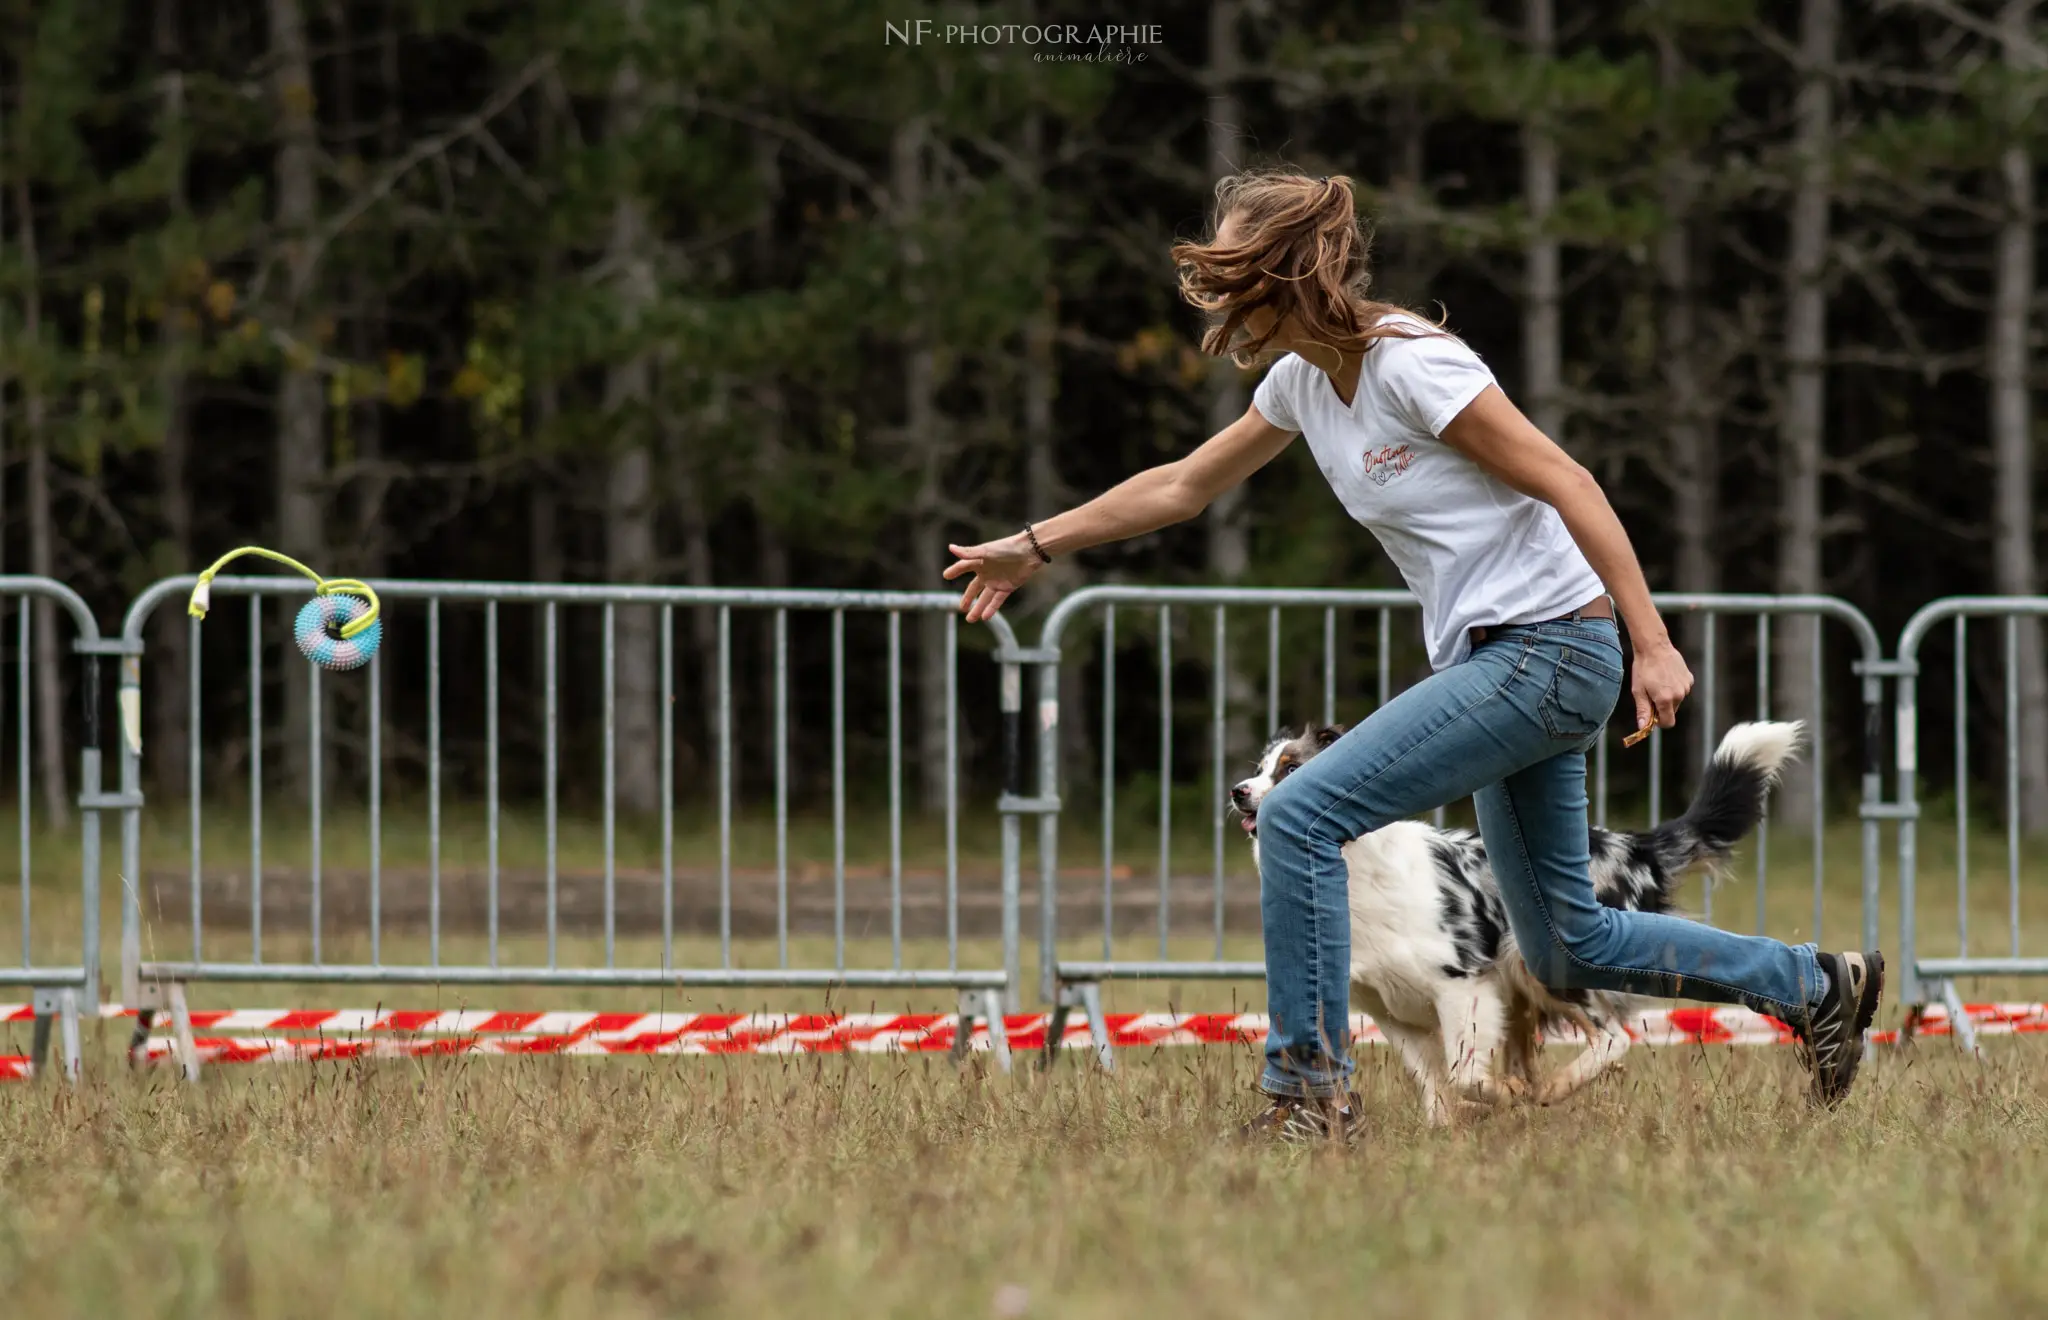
1282, 757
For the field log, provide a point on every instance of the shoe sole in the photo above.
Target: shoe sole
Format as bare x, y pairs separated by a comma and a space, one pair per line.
1873, 963
1869, 988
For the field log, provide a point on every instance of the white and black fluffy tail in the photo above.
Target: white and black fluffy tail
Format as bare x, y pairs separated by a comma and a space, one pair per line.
1638, 869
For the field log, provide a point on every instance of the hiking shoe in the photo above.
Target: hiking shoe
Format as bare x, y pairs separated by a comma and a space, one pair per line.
1833, 1036
1298, 1121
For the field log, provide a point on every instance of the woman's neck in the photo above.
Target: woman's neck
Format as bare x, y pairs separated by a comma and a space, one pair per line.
1342, 368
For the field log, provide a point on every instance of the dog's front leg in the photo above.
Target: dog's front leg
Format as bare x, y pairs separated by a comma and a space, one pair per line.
1424, 1059
1606, 1041
1472, 1019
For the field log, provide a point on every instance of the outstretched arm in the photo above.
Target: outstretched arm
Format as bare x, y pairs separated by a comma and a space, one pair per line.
1155, 498
1493, 433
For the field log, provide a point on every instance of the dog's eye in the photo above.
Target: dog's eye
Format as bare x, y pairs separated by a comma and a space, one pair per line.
1282, 770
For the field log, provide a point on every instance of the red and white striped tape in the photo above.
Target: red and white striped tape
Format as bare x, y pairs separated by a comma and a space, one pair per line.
398, 1033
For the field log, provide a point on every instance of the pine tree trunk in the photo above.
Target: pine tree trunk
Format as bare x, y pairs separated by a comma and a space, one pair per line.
1542, 346
1801, 440
693, 516
1228, 523
544, 538
772, 545
629, 495
1396, 249
2012, 432
169, 697
1691, 436
301, 439
1044, 493
921, 441
42, 545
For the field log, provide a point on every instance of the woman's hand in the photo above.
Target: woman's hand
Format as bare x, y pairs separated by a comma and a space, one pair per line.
1662, 682
999, 568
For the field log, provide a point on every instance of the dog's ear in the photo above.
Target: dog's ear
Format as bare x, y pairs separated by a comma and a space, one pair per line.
1326, 736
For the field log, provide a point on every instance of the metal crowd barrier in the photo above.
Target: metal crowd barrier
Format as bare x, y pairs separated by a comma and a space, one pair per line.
154, 979
1074, 984
62, 992
1930, 979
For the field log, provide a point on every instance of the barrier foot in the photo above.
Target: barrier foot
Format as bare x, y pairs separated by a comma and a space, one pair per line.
1056, 1031
74, 1053
998, 1032
1086, 996
181, 1027
987, 1005
963, 1028
1098, 1025
138, 1040
39, 1040
57, 1008
1959, 1024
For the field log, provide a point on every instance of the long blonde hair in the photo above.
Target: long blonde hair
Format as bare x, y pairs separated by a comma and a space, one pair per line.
1301, 249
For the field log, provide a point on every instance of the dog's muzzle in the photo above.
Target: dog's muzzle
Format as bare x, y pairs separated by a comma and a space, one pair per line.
1247, 811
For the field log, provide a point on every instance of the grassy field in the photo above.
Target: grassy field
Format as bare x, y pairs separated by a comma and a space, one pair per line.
1693, 1182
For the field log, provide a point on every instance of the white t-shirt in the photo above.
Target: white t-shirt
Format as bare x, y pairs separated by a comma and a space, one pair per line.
1475, 551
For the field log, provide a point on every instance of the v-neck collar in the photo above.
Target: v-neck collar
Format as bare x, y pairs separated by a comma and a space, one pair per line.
1330, 383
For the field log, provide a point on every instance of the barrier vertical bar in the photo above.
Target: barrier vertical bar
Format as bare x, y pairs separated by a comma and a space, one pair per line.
1906, 763
1962, 788
376, 807
895, 790
725, 786
2012, 779
611, 785
90, 792
1010, 707
434, 782
1108, 782
1386, 656
782, 788
24, 722
131, 824
316, 790
1657, 793
551, 773
1046, 745
491, 771
255, 773
1165, 770
21, 787
1011, 889
1763, 712
668, 787
839, 790
1709, 737
1220, 692
193, 788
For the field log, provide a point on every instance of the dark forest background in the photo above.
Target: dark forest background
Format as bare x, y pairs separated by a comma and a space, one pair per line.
724, 292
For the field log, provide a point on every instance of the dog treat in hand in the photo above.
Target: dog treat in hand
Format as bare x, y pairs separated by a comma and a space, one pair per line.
1637, 736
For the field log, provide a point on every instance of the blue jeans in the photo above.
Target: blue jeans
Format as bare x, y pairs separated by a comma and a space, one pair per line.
1510, 727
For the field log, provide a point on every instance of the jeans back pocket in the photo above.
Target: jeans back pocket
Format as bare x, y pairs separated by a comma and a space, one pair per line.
1582, 695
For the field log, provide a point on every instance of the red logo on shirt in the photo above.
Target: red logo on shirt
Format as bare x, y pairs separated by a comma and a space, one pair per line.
1384, 464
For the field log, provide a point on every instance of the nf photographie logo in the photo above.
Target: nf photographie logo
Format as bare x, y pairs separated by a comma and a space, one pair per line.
1093, 42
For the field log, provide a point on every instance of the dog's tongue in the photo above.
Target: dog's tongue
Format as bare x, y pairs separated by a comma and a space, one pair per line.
1249, 823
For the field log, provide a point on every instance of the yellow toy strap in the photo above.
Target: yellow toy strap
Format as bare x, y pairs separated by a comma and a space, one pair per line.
202, 590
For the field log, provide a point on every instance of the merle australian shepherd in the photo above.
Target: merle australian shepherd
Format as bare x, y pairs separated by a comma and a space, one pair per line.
1433, 960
